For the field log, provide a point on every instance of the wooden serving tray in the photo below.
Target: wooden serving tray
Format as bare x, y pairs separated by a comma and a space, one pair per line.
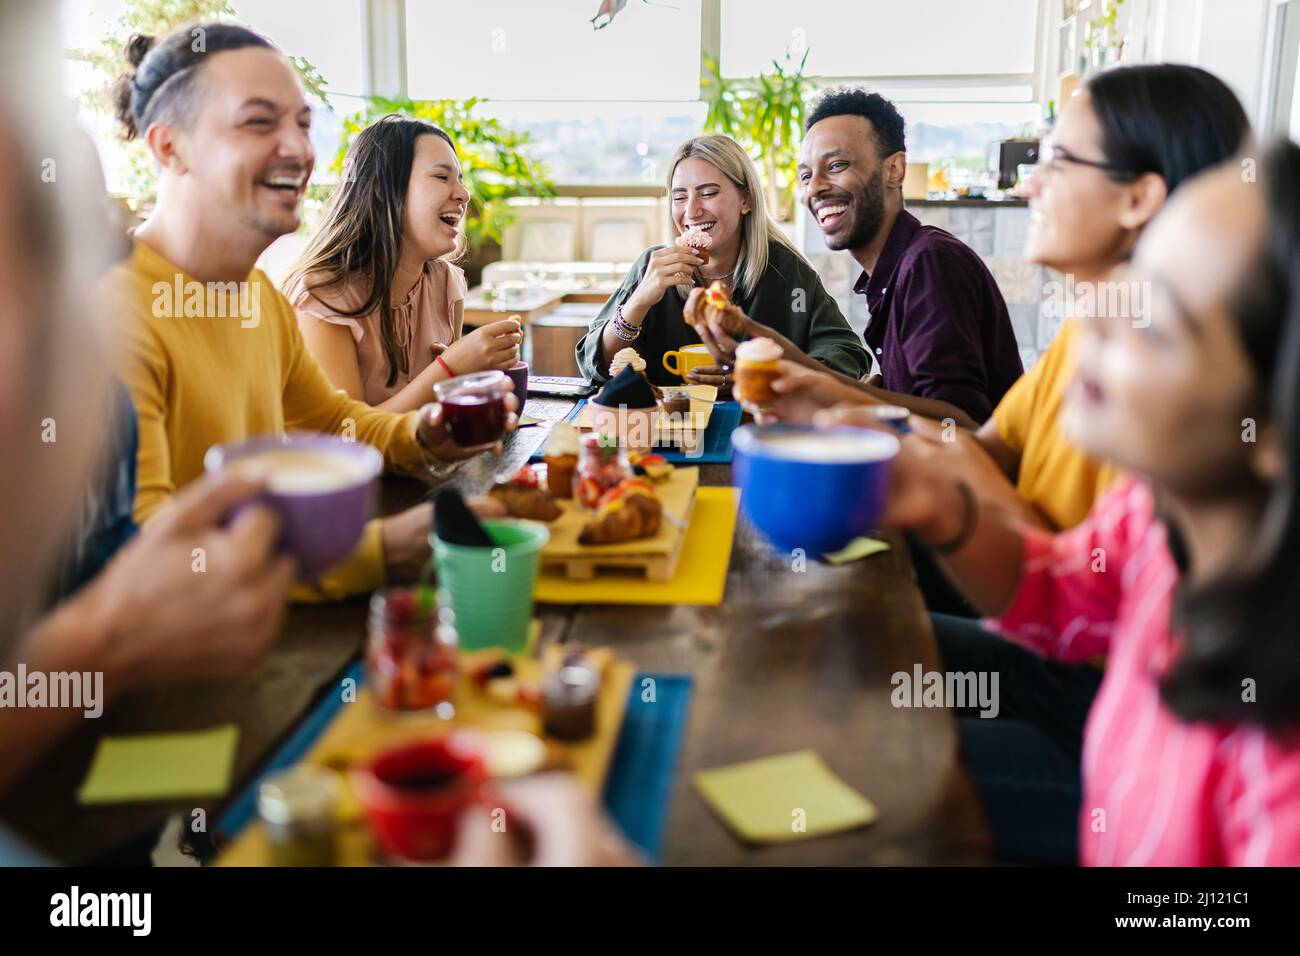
655, 557
703, 398
361, 731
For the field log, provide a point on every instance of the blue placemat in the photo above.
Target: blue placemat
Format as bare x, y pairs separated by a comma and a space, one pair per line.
295, 748
640, 774
717, 437
645, 759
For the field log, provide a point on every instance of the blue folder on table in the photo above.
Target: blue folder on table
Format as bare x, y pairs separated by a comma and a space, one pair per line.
716, 449
640, 775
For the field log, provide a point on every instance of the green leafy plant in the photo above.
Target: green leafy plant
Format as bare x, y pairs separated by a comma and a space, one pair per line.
106, 60
765, 115
1102, 31
496, 160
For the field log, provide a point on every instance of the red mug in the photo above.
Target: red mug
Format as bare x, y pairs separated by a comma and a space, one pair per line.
413, 795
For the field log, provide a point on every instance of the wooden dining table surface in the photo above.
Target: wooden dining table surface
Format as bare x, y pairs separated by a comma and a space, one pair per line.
792, 659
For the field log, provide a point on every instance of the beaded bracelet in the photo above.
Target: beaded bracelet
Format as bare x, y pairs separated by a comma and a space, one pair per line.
624, 329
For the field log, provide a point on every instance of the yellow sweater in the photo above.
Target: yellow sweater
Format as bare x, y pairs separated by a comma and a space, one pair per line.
1055, 475
207, 365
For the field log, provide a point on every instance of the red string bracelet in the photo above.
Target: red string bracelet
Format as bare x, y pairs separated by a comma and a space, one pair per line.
443, 362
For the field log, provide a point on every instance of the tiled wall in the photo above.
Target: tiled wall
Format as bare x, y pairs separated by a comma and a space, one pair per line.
996, 233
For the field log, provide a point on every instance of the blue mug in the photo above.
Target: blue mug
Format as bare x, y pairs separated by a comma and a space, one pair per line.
812, 489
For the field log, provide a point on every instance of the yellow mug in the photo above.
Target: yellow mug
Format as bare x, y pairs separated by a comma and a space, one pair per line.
687, 358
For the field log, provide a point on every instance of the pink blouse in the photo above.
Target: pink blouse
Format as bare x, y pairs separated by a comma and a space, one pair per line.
1157, 791
421, 320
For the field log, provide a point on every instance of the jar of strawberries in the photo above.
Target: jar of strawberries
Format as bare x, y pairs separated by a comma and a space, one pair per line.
411, 652
602, 464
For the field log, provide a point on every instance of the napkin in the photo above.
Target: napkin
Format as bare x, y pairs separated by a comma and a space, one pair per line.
454, 523
161, 766
790, 797
630, 388
856, 550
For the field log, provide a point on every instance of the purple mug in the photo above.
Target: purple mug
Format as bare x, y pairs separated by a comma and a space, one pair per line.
519, 375
323, 489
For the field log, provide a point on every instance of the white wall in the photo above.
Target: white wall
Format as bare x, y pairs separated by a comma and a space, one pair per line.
1226, 37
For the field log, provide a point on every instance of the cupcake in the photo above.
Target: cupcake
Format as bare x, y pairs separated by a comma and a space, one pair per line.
757, 366
623, 358
698, 241
561, 456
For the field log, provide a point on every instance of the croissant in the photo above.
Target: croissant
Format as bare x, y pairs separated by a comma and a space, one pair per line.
524, 497
714, 304
626, 513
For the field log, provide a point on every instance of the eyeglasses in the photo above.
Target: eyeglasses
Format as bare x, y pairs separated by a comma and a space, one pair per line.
1051, 158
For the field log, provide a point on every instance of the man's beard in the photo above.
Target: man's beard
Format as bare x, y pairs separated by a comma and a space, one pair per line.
869, 214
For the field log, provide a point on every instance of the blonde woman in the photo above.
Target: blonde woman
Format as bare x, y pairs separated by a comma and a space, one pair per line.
713, 187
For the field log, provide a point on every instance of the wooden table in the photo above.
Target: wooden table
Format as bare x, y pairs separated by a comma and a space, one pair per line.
792, 660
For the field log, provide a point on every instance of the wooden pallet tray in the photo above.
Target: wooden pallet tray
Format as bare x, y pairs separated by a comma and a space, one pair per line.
654, 558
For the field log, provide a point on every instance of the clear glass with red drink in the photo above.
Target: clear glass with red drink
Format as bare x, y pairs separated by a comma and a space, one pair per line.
474, 407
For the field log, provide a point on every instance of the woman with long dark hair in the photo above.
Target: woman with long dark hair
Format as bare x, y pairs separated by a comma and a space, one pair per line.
379, 301
1184, 573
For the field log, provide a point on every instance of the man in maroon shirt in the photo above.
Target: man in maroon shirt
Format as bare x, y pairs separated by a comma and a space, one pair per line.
939, 328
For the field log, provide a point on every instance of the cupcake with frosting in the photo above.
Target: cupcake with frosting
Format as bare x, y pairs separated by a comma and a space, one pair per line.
561, 456
697, 240
757, 366
623, 358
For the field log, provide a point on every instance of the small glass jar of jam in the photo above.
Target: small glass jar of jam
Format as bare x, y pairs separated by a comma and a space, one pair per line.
676, 401
602, 464
569, 700
411, 652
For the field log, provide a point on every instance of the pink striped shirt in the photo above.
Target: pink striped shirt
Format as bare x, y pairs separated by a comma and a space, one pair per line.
1156, 791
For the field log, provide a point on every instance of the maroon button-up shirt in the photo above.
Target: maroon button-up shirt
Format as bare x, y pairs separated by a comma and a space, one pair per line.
939, 326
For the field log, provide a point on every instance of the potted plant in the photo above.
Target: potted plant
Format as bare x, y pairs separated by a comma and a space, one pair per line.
497, 164
106, 60
765, 115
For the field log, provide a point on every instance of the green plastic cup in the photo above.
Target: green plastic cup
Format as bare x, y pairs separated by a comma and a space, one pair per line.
490, 590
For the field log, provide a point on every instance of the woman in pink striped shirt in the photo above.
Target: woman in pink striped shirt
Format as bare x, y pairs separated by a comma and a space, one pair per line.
1185, 574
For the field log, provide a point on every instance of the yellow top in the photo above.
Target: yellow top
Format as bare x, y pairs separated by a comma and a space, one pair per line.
1055, 477
211, 363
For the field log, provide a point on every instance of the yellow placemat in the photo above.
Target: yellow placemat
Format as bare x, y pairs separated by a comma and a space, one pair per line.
856, 550
789, 797
161, 766
360, 731
701, 576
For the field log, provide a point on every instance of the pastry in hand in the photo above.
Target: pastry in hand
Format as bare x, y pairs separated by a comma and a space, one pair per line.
698, 241
524, 497
714, 305
625, 513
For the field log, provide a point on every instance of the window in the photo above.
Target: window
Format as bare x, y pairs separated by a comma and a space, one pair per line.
882, 38
507, 50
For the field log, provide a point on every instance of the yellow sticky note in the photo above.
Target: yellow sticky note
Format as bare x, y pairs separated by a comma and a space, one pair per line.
161, 766
782, 798
856, 550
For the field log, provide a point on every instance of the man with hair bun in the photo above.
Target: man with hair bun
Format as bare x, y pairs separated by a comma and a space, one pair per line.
229, 128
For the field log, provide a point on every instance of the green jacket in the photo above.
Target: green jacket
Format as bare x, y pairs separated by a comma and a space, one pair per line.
790, 298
